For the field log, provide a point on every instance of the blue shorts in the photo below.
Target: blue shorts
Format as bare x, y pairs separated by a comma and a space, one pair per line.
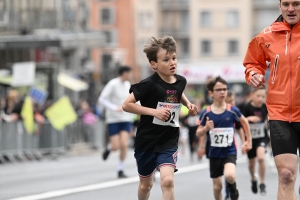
148, 162
115, 128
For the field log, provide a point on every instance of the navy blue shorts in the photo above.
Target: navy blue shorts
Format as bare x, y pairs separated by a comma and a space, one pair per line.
115, 128
148, 162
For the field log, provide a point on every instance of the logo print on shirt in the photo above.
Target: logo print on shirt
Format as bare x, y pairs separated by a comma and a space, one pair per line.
171, 99
171, 91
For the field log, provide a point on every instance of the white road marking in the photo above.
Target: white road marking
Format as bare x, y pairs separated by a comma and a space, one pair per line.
109, 184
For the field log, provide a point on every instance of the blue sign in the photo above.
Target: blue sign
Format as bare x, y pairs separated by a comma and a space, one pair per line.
37, 95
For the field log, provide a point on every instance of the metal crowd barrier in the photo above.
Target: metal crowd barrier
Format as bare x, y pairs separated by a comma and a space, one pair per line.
17, 145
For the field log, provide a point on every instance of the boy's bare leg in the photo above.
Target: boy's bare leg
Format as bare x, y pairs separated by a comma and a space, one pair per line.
229, 172
260, 152
251, 167
145, 186
124, 135
167, 182
217, 182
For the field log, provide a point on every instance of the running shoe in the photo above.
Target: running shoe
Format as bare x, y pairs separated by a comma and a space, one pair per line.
234, 195
121, 174
262, 188
254, 187
105, 154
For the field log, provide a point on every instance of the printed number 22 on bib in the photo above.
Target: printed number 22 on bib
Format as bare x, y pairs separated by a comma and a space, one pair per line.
221, 137
174, 114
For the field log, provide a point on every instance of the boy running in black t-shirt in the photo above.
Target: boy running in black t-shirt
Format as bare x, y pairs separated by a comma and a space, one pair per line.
160, 96
257, 114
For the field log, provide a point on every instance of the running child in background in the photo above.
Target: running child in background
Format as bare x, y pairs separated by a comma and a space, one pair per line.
217, 122
256, 113
160, 96
238, 127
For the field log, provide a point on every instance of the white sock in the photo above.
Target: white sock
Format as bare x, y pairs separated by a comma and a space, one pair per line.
108, 147
121, 166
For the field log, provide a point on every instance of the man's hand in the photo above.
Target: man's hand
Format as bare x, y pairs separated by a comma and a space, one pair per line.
209, 124
257, 80
162, 114
193, 110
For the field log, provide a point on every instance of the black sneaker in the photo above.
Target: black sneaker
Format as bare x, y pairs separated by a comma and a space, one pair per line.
121, 174
262, 188
234, 195
254, 187
105, 154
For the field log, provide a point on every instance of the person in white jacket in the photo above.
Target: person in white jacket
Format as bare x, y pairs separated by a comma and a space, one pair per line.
119, 122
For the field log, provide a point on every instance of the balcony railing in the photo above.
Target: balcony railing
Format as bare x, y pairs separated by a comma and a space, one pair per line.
175, 32
174, 4
265, 4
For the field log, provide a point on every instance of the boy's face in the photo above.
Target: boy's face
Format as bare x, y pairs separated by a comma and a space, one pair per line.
230, 100
219, 92
258, 97
166, 63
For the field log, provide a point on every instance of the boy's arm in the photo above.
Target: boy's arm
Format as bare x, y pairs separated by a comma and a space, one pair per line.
241, 134
248, 143
201, 131
130, 106
185, 101
202, 143
192, 108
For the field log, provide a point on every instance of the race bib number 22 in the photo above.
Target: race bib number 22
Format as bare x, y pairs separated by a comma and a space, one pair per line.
174, 114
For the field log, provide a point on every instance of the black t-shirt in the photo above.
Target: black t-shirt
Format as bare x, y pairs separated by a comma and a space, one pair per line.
261, 112
151, 137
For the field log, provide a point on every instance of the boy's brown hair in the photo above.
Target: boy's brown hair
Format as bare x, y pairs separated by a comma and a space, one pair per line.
211, 84
167, 42
259, 88
230, 93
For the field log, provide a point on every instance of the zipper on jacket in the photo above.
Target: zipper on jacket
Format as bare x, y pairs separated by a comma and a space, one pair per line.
287, 39
291, 82
275, 68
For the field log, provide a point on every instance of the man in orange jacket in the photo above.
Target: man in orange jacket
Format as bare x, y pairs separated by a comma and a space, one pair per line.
279, 45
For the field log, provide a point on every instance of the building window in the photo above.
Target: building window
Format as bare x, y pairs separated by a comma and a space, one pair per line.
205, 47
107, 16
184, 20
233, 47
145, 20
232, 18
108, 36
185, 47
205, 19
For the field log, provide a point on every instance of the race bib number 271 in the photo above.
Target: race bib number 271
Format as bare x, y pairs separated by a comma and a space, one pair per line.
221, 137
174, 114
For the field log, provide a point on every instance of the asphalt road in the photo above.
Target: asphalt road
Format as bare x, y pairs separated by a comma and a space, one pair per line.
88, 177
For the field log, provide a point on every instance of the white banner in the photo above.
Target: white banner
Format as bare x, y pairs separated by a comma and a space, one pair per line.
196, 73
23, 74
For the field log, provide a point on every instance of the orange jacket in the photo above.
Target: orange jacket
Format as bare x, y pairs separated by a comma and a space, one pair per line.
279, 45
